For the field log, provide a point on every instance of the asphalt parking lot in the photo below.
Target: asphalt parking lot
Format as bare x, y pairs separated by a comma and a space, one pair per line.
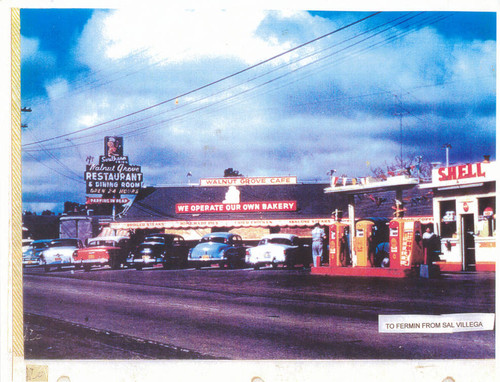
244, 314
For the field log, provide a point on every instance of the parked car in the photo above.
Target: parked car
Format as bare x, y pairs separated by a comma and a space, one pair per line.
106, 250
59, 253
29, 257
31, 252
275, 249
222, 248
27, 244
39, 245
169, 250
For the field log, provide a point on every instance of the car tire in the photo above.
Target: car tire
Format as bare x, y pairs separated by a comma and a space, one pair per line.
43, 263
256, 267
86, 267
114, 263
138, 267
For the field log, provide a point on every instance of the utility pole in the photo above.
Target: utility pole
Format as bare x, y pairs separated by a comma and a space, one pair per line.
400, 114
26, 110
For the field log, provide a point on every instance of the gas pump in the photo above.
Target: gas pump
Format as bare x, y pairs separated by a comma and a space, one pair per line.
361, 245
338, 244
370, 235
405, 242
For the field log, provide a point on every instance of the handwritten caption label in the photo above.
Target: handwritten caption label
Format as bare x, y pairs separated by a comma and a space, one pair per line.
445, 323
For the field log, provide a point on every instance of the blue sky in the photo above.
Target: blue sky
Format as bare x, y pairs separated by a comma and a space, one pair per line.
155, 78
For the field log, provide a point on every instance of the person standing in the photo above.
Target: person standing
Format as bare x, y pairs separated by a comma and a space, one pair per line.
431, 244
318, 235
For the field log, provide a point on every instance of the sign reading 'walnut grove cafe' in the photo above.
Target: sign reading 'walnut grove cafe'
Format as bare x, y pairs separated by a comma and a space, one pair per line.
113, 175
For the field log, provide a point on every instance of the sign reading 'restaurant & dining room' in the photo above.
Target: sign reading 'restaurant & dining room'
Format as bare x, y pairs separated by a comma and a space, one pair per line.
113, 175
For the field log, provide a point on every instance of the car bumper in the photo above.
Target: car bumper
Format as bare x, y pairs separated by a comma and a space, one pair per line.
265, 259
92, 261
30, 262
58, 262
206, 261
145, 260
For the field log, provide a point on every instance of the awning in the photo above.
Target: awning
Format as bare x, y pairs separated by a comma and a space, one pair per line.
183, 224
179, 224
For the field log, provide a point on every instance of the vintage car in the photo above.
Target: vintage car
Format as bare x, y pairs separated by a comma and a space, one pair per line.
275, 249
29, 257
169, 250
27, 244
59, 253
222, 248
105, 250
31, 252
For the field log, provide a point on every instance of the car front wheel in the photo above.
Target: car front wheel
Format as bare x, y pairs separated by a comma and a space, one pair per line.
43, 263
114, 262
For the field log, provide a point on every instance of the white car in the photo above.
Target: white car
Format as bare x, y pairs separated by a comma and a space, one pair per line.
59, 253
277, 248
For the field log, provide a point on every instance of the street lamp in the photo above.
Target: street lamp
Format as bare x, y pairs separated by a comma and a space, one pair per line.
447, 146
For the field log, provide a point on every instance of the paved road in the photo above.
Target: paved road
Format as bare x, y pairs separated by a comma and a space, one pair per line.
265, 314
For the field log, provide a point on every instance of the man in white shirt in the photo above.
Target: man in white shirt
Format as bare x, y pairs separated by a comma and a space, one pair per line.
318, 235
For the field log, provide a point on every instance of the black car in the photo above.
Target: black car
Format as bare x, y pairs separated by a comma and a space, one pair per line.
167, 249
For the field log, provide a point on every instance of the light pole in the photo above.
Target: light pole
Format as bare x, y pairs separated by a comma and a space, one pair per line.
447, 146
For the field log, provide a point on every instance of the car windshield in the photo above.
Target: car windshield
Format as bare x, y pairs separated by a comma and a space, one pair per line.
40, 245
64, 243
276, 240
156, 239
213, 239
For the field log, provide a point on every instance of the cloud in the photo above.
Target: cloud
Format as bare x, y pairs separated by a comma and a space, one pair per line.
31, 53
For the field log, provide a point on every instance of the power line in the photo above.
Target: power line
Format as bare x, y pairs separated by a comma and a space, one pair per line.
209, 84
256, 77
232, 97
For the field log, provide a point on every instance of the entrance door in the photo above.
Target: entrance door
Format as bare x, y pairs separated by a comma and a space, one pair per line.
468, 244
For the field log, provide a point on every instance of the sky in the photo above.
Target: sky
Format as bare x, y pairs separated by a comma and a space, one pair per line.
267, 93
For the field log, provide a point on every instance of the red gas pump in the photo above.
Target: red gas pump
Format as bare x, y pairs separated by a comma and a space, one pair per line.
394, 244
405, 243
336, 238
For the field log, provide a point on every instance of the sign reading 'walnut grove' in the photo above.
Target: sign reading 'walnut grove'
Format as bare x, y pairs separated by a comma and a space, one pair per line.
113, 175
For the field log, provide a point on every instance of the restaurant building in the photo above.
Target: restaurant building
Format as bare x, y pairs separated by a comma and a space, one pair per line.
253, 207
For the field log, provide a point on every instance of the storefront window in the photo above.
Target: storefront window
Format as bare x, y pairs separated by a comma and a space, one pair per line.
486, 225
448, 213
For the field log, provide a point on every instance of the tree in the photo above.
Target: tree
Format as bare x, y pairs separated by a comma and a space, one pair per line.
73, 207
415, 167
230, 172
